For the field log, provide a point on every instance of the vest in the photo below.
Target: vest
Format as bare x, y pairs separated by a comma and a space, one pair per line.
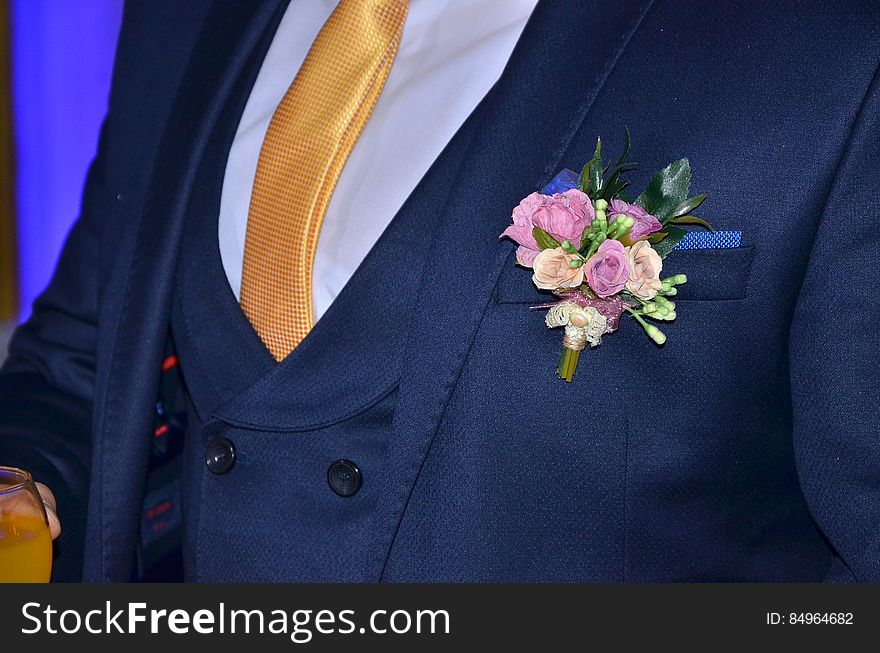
269, 511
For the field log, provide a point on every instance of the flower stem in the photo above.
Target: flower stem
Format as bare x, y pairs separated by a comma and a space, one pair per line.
568, 361
653, 332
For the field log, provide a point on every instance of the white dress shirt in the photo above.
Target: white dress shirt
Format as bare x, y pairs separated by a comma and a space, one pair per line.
451, 53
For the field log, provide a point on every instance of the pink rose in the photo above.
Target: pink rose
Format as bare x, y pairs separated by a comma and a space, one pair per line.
564, 216
607, 270
552, 270
645, 225
644, 270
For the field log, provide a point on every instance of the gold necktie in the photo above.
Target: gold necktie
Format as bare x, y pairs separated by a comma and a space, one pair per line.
307, 144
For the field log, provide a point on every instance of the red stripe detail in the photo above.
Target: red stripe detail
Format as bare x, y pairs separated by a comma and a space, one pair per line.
169, 363
162, 430
159, 509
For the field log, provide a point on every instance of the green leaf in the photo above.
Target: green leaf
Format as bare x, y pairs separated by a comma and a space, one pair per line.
613, 184
623, 167
584, 240
544, 240
596, 169
584, 181
691, 219
673, 237
657, 237
612, 189
591, 180
688, 206
667, 189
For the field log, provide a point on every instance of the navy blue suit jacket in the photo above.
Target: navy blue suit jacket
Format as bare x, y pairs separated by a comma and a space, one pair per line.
745, 449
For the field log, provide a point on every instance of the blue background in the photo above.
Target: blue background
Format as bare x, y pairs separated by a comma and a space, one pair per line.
62, 56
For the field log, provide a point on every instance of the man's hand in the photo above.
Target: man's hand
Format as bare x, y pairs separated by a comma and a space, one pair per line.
51, 507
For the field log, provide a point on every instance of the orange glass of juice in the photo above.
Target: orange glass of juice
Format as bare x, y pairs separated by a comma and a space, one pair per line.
25, 543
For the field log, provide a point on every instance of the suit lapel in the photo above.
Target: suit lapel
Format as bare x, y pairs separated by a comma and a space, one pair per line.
144, 273
523, 128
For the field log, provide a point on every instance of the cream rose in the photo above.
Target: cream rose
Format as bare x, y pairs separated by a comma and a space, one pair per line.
552, 270
645, 265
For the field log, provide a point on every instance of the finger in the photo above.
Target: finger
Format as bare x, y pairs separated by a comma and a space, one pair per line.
51, 509
54, 522
47, 496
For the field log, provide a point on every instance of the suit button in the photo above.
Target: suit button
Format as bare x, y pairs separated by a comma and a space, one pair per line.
344, 478
220, 456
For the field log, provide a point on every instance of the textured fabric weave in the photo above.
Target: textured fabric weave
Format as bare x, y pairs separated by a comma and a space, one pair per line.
309, 139
711, 240
766, 471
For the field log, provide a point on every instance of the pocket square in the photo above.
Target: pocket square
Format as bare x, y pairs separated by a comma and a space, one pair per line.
711, 240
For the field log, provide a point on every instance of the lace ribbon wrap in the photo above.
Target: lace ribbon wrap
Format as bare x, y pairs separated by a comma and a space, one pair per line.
583, 324
609, 307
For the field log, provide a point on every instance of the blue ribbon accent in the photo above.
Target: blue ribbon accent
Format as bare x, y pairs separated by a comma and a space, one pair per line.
565, 180
710, 240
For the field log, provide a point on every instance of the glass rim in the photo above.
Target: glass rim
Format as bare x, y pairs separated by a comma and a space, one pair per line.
26, 479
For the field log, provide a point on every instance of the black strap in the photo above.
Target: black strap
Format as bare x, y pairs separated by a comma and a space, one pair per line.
159, 547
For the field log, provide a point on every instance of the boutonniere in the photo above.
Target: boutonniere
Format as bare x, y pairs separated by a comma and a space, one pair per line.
600, 253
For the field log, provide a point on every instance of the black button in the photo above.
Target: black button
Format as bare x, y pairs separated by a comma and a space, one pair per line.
344, 478
220, 456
